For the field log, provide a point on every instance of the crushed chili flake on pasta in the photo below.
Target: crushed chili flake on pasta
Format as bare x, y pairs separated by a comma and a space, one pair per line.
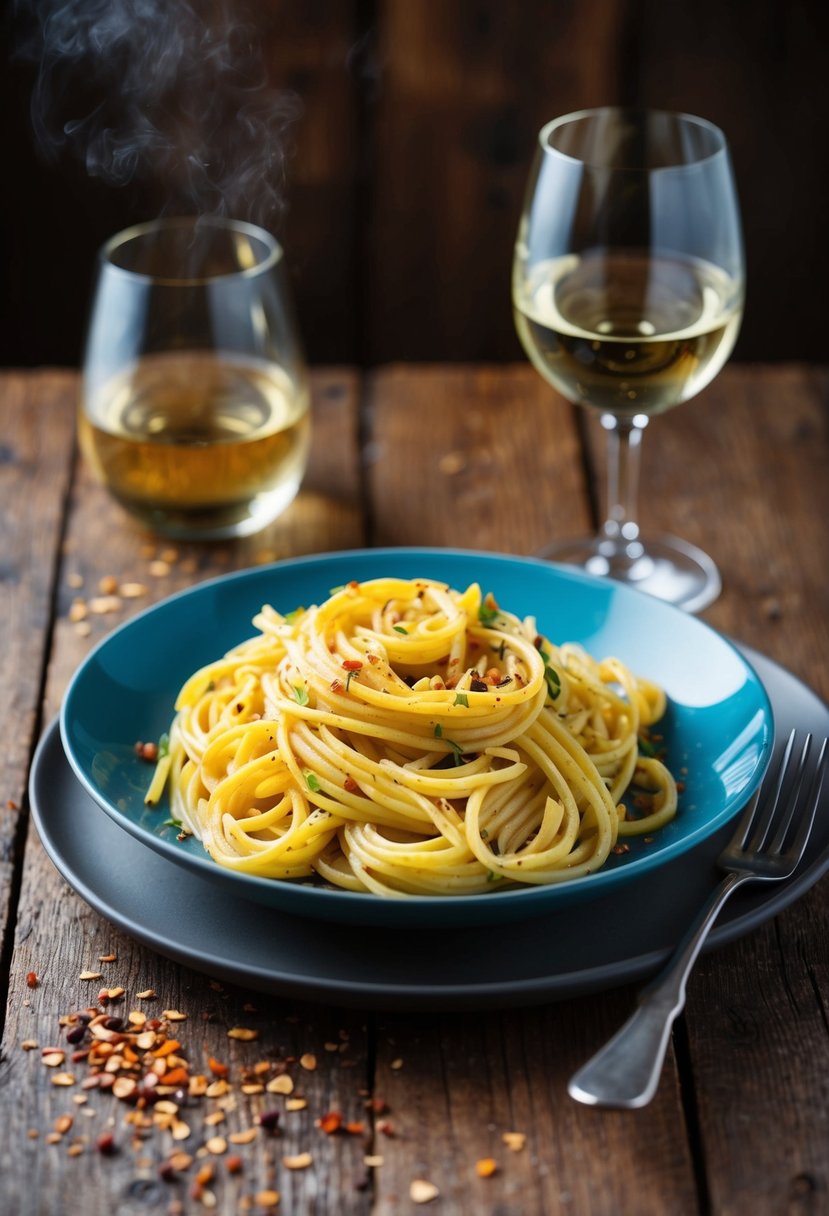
464, 753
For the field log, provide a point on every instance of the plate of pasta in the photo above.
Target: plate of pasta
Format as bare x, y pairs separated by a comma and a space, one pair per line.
417, 736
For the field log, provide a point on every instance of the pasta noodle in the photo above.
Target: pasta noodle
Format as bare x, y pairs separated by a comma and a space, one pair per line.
404, 738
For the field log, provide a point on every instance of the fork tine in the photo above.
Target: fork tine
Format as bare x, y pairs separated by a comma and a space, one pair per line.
793, 798
798, 845
755, 823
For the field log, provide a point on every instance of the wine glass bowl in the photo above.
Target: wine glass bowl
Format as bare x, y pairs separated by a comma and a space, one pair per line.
628, 286
194, 403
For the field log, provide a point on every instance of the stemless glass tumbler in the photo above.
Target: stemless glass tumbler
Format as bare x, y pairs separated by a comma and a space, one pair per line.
628, 285
194, 404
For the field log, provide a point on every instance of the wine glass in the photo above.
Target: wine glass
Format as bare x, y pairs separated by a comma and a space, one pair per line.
628, 286
194, 403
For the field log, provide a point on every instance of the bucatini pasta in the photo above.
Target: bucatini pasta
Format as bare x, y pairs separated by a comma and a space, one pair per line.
404, 738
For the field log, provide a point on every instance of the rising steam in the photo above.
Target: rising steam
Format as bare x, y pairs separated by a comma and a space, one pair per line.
166, 93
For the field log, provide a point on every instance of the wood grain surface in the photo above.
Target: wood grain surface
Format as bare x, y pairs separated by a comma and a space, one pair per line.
402, 172
468, 456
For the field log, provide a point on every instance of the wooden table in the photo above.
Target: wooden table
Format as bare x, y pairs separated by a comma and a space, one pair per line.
478, 457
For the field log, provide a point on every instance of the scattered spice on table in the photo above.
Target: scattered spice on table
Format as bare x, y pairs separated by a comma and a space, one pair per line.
141, 1062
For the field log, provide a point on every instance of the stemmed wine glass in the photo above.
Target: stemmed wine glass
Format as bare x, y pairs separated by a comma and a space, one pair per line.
628, 285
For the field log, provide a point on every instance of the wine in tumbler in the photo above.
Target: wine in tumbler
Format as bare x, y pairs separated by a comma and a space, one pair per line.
195, 399
628, 294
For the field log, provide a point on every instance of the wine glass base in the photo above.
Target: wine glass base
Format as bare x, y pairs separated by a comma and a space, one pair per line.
664, 566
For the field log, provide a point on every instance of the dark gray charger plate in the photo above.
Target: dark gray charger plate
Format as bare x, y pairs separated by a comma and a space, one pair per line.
616, 939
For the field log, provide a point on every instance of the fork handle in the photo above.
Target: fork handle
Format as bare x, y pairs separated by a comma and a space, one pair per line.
625, 1072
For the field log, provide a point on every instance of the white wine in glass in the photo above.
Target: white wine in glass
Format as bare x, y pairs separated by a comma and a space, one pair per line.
628, 287
194, 410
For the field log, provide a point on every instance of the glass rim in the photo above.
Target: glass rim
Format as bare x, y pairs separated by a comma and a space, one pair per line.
640, 111
118, 240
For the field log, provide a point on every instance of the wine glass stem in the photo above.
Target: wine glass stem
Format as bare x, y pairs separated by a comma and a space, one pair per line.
619, 534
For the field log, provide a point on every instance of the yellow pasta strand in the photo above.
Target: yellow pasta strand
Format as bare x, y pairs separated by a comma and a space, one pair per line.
404, 738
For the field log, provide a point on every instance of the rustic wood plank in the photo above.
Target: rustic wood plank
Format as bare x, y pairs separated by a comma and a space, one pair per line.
490, 459
741, 471
455, 123
478, 458
37, 419
407, 164
312, 52
463, 1081
782, 45
760, 1058
104, 542
58, 937
458, 1086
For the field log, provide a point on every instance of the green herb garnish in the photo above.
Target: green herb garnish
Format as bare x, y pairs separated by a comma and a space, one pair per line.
400, 629
312, 781
462, 699
457, 750
301, 694
553, 682
487, 615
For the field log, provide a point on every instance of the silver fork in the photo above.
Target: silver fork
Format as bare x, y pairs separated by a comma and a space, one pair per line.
768, 845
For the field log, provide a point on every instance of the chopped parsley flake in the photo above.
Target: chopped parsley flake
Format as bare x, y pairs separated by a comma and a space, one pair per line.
457, 750
301, 694
553, 682
488, 615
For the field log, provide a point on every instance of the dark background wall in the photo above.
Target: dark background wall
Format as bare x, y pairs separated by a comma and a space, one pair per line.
405, 158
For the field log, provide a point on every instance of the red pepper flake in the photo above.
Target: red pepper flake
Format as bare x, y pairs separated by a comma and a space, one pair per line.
31, 979
166, 1048
352, 664
336, 686
217, 1068
350, 785
621, 848
105, 1144
330, 1122
176, 1076
486, 1167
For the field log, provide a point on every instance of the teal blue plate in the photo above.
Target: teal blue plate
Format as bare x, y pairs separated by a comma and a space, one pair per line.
718, 729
